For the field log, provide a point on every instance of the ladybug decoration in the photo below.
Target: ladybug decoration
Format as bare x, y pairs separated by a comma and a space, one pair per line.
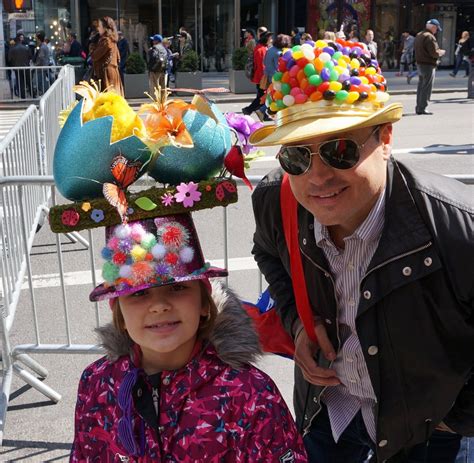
224, 189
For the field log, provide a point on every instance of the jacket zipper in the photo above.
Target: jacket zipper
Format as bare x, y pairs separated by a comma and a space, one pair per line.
401, 256
326, 272
156, 401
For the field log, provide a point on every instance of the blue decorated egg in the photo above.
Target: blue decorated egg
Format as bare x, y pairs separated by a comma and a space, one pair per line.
212, 141
84, 154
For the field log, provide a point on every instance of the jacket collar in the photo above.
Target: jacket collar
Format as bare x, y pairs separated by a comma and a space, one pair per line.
403, 231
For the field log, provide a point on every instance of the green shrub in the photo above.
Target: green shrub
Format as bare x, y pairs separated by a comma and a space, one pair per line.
189, 62
239, 58
135, 64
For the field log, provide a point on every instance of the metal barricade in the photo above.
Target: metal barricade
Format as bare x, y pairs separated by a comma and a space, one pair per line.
26, 83
17, 273
59, 96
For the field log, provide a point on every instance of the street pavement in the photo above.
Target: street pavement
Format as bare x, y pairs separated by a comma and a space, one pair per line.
38, 430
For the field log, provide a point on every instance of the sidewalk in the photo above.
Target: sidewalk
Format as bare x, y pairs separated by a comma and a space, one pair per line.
396, 86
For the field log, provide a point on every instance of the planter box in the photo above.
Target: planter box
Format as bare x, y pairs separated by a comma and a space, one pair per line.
238, 83
136, 85
188, 80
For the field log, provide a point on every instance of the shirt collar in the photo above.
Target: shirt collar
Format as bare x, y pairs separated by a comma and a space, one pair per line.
369, 230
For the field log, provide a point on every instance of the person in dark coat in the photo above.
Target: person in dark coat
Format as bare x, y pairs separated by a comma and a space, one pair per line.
124, 51
105, 56
385, 251
19, 56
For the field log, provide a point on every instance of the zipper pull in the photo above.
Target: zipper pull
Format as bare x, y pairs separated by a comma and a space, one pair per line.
156, 399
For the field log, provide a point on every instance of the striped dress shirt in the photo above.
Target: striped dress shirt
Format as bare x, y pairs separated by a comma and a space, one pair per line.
348, 267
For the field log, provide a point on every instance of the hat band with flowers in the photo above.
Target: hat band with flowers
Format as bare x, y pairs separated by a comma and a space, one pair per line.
323, 88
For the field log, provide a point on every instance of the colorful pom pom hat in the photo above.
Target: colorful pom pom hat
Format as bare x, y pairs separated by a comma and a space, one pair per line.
151, 252
324, 88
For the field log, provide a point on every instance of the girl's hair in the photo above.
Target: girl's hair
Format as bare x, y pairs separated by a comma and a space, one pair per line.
205, 325
305, 36
282, 41
329, 35
110, 28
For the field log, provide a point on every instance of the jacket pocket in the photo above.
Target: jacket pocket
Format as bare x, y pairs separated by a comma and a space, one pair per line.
98, 446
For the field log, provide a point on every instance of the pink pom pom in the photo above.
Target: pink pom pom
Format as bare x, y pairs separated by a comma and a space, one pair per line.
113, 243
137, 232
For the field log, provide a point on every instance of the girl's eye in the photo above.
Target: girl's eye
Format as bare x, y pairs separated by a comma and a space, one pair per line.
177, 287
139, 293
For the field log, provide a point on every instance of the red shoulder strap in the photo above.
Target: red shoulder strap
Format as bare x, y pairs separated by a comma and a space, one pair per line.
289, 214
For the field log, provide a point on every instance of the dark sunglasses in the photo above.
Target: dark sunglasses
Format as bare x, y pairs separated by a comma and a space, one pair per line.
341, 153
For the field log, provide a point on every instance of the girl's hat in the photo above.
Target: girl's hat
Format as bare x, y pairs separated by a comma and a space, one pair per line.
325, 88
152, 252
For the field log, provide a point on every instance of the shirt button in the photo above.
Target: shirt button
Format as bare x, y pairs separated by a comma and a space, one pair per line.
383, 443
315, 400
353, 381
304, 241
373, 350
328, 322
166, 381
350, 359
367, 294
428, 261
351, 302
350, 266
311, 226
406, 271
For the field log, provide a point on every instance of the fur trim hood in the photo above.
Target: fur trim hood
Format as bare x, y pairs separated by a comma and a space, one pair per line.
234, 336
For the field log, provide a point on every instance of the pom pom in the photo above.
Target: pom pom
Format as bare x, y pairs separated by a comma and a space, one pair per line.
119, 258
174, 235
186, 254
107, 253
158, 251
171, 258
125, 245
122, 231
162, 270
137, 232
125, 271
148, 241
110, 272
138, 253
113, 243
142, 272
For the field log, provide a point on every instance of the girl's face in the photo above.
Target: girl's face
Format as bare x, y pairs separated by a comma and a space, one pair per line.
100, 28
164, 321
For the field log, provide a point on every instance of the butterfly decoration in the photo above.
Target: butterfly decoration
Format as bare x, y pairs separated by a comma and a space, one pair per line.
125, 172
164, 121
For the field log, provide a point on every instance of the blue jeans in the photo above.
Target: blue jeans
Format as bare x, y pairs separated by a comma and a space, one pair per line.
466, 453
355, 445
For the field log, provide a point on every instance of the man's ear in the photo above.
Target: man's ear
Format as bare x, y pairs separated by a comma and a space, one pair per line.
386, 137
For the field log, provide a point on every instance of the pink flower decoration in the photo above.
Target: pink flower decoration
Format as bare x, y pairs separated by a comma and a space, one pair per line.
167, 199
187, 194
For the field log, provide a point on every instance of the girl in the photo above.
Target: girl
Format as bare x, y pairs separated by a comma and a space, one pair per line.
176, 384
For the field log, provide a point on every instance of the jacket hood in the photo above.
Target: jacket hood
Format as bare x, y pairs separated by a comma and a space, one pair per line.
234, 336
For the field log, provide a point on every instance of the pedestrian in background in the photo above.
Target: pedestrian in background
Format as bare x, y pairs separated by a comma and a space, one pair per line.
258, 71
249, 40
171, 57
157, 63
261, 30
427, 54
19, 56
105, 56
371, 43
331, 36
388, 51
295, 36
407, 56
270, 64
124, 51
72, 47
41, 58
461, 54
305, 38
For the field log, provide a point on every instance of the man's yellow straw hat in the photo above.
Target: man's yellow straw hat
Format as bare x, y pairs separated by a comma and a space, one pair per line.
324, 88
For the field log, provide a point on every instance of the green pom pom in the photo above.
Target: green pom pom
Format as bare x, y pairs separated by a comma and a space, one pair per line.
315, 80
341, 95
309, 70
277, 76
148, 241
333, 75
280, 104
285, 88
110, 272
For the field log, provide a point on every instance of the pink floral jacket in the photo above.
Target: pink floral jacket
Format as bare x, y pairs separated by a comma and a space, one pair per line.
217, 408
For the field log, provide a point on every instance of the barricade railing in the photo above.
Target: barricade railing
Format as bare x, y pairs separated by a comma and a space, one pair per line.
26, 83
59, 96
17, 274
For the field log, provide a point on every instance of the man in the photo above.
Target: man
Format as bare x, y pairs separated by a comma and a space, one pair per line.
42, 58
427, 54
157, 62
295, 35
371, 43
406, 58
72, 47
19, 56
385, 251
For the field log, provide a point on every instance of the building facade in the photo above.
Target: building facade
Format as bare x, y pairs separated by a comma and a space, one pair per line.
217, 26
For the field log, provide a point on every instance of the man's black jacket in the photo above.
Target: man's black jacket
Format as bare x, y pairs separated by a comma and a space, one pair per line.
416, 304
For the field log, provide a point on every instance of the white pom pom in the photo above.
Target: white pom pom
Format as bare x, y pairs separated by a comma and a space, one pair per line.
158, 251
289, 100
277, 86
186, 254
325, 57
123, 231
125, 271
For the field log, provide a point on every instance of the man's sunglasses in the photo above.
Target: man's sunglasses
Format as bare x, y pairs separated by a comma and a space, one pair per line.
341, 153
